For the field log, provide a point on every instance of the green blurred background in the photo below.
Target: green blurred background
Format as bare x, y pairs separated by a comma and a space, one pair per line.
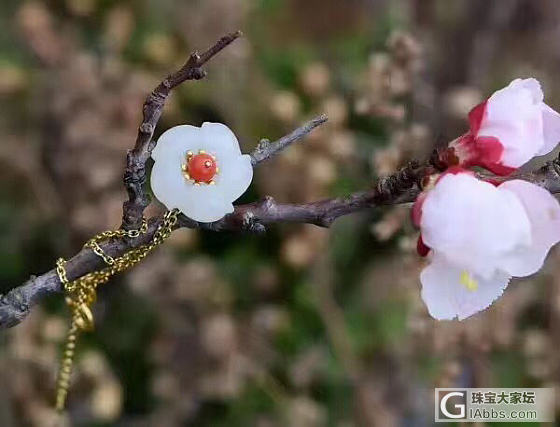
302, 326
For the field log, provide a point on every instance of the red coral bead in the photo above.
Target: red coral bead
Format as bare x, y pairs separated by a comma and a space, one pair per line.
202, 167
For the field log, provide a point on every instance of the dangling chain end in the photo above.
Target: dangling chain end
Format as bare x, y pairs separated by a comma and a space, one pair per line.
81, 292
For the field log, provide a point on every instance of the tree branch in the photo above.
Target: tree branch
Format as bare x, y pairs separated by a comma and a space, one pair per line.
401, 187
15, 305
135, 171
266, 149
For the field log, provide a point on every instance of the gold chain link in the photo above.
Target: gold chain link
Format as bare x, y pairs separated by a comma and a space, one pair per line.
82, 292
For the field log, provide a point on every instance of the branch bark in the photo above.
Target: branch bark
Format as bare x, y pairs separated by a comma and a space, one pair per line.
265, 149
135, 171
401, 187
16, 304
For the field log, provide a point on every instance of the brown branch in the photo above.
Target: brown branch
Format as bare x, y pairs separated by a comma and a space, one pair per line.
15, 305
400, 187
135, 171
267, 149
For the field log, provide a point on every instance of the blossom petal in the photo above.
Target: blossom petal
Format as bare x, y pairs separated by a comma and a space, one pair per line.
236, 174
514, 117
200, 203
490, 153
543, 211
168, 183
202, 208
551, 123
509, 129
532, 85
448, 295
476, 116
175, 142
416, 211
218, 138
473, 223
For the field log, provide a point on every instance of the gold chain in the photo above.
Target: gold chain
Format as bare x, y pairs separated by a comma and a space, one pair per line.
81, 293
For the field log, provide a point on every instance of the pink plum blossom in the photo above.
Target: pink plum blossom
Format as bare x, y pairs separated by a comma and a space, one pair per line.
509, 129
478, 236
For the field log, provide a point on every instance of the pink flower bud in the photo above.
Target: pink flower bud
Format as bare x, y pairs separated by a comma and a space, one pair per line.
509, 129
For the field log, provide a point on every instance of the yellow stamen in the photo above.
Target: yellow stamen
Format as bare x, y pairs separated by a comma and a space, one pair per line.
201, 151
468, 282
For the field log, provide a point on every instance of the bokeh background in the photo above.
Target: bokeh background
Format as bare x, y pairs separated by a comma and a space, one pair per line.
303, 326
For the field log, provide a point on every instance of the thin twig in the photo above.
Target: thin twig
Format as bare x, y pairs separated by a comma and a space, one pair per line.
267, 149
401, 187
15, 305
135, 171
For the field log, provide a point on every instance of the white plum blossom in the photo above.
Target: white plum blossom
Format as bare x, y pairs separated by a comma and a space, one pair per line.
509, 129
200, 170
478, 236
